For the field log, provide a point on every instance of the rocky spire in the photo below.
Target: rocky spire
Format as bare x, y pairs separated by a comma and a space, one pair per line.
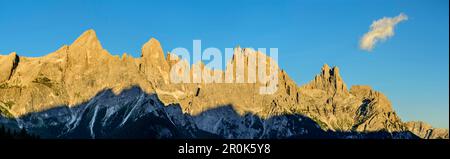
152, 51
153, 61
88, 39
86, 51
329, 80
326, 71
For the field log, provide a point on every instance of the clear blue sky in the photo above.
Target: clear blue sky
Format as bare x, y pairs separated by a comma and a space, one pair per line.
411, 68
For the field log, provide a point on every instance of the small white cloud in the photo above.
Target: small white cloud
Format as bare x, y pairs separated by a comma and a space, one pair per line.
380, 30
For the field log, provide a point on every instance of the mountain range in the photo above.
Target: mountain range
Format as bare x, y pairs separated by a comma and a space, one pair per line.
82, 91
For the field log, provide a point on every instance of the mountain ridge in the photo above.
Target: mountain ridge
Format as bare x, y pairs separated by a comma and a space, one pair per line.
75, 73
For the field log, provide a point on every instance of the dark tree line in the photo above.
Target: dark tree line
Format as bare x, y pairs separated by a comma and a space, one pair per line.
6, 133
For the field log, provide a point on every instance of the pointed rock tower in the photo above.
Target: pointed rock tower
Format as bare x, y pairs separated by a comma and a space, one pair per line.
86, 50
154, 65
88, 40
329, 80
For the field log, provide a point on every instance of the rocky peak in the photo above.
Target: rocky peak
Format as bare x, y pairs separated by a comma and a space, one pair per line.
326, 71
88, 40
153, 51
329, 80
153, 63
85, 53
248, 59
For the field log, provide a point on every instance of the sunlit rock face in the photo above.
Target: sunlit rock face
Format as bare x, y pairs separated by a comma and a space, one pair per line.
82, 91
8, 66
425, 130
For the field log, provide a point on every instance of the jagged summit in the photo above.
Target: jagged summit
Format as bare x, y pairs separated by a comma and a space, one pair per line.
152, 49
88, 39
153, 60
153, 54
329, 80
328, 72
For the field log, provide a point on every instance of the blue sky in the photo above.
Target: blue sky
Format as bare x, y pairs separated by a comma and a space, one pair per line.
411, 68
